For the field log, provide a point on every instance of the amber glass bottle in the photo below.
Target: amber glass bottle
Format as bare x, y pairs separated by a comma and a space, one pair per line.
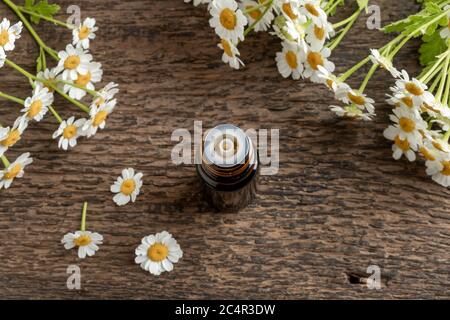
229, 168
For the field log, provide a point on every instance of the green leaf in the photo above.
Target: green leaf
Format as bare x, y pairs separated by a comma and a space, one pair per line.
432, 46
41, 7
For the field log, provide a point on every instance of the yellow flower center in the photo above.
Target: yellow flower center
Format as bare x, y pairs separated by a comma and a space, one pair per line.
83, 79
408, 101
412, 88
254, 13
330, 83
319, 32
446, 168
11, 139
84, 32
407, 124
226, 48
72, 62
99, 101
427, 154
82, 241
4, 37
438, 146
13, 172
157, 252
291, 59
359, 100
402, 144
70, 131
100, 117
127, 187
228, 19
286, 7
315, 60
35, 108
312, 9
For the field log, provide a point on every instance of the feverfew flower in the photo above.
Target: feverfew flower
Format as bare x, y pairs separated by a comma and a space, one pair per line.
13, 135
69, 131
313, 60
14, 170
36, 107
312, 9
84, 33
317, 35
93, 75
98, 117
289, 8
9, 34
385, 63
86, 241
106, 94
157, 253
352, 112
227, 20
197, 2
254, 13
350, 96
73, 62
414, 89
127, 187
406, 129
230, 54
289, 61
51, 76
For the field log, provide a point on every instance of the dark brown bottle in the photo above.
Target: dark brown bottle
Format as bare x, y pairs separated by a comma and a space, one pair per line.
229, 168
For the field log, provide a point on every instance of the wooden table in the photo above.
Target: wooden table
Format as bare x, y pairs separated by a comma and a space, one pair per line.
338, 204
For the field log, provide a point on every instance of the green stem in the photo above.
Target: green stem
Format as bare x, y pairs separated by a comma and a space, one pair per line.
27, 24
91, 92
55, 114
55, 21
443, 79
83, 217
446, 136
252, 26
347, 20
355, 68
433, 69
48, 83
11, 98
435, 82
336, 41
329, 9
367, 78
447, 88
5, 161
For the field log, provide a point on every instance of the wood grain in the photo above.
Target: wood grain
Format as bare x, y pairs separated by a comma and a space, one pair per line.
338, 204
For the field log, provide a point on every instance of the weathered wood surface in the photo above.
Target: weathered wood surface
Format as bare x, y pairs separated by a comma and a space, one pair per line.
339, 203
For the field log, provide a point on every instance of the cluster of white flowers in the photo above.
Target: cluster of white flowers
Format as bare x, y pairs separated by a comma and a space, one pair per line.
412, 134
74, 76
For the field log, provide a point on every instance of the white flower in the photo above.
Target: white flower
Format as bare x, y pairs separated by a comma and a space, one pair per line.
317, 35
351, 112
439, 169
2, 59
51, 76
9, 34
313, 60
69, 131
14, 170
98, 117
11, 136
289, 61
106, 94
227, 20
230, 54
36, 107
289, 8
73, 62
157, 253
127, 187
414, 89
407, 127
197, 2
93, 75
385, 63
295, 29
312, 9
347, 95
329, 79
84, 33
86, 241
254, 13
